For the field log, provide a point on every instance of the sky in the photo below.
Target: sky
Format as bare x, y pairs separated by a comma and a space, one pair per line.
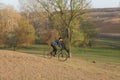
105, 3
14, 3
95, 3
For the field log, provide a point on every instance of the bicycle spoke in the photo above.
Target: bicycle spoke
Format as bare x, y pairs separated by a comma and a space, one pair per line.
62, 56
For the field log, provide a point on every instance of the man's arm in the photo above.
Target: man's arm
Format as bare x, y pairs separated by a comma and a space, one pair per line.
60, 46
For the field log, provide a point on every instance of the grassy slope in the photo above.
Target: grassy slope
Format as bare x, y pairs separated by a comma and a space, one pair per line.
90, 54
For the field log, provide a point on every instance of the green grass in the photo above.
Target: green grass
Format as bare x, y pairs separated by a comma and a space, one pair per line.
108, 43
98, 54
35, 49
90, 54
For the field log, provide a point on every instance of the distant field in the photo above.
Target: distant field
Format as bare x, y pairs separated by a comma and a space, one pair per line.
110, 40
107, 20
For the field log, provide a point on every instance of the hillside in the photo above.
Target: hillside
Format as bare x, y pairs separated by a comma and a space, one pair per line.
20, 66
107, 20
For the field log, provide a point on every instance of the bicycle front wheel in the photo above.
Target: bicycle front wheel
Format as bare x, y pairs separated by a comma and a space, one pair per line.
62, 56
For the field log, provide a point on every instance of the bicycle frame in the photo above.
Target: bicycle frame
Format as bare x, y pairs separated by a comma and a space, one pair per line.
62, 56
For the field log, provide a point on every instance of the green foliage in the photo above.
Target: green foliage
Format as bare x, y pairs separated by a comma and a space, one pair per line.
76, 32
89, 32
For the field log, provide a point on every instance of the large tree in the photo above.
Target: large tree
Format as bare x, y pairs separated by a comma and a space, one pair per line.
8, 20
64, 14
15, 30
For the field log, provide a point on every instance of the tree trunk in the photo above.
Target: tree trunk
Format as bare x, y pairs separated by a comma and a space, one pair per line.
70, 50
69, 43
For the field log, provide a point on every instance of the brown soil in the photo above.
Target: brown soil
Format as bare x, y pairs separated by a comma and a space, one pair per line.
20, 66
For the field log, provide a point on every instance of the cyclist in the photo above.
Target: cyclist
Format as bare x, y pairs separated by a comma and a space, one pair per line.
56, 43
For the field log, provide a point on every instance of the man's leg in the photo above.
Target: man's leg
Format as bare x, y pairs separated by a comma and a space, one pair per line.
54, 49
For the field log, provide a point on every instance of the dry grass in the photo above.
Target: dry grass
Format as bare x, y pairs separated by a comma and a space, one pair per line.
20, 66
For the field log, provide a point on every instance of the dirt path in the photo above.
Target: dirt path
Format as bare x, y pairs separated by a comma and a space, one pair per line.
20, 66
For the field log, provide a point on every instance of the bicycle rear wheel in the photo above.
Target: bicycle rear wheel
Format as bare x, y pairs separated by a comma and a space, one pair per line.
62, 56
48, 52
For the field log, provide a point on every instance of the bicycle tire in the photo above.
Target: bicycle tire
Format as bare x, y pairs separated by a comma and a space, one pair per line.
62, 56
49, 55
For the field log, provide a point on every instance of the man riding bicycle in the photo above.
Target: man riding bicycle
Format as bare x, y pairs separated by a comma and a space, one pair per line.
56, 43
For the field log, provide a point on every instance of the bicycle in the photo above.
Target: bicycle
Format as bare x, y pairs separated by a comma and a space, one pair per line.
62, 55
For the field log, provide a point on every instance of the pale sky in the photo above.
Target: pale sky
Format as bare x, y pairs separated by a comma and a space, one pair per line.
105, 3
14, 3
95, 3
